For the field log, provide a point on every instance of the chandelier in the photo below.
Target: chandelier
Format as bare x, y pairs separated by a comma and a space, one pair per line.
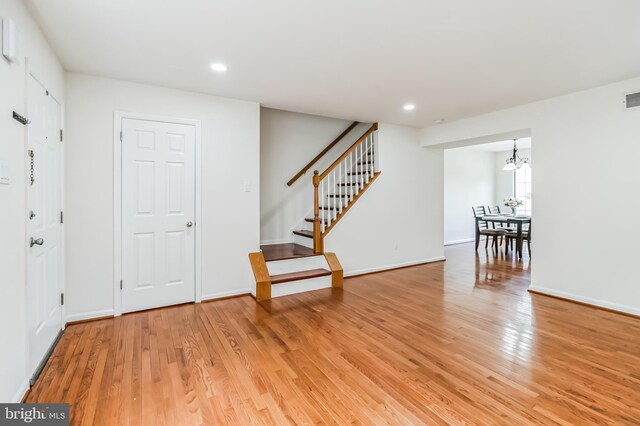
515, 161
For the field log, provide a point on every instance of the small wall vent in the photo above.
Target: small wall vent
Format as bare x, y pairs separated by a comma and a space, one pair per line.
632, 100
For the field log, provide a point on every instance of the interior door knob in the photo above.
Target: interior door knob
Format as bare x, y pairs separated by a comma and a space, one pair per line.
189, 224
36, 242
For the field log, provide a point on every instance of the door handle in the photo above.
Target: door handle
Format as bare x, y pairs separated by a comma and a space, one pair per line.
189, 224
36, 242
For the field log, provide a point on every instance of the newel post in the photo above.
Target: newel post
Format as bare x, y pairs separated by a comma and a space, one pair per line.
318, 246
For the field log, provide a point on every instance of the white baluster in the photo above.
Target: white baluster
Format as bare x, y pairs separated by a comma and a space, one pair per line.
344, 175
373, 157
373, 147
327, 215
363, 156
368, 151
329, 186
335, 175
351, 155
357, 185
339, 188
344, 192
353, 178
328, 212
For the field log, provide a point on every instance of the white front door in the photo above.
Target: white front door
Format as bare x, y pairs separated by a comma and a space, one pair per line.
44, 227
158, 207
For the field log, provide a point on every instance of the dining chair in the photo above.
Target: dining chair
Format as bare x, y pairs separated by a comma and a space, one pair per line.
495, 209
511, 236
483, 228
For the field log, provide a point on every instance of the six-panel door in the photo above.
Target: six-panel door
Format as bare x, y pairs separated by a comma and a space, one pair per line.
44, 203
158, 206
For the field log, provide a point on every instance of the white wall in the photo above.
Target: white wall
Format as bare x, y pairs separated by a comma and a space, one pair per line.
399, 220
43, 63
503, 187
230, 160
577, 253
469, 180
288, 141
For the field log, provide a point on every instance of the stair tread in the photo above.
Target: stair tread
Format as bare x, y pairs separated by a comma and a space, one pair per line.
300, 275
285, 251
310, 220
303, 233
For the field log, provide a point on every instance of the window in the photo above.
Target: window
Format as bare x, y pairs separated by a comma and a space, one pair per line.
522, 189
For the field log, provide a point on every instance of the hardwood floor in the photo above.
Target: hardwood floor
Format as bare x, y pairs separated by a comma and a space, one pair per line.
455, 342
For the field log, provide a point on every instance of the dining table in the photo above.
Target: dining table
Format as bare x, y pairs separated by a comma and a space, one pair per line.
518, 221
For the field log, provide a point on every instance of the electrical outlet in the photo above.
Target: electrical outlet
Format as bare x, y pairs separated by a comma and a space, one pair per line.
395, 245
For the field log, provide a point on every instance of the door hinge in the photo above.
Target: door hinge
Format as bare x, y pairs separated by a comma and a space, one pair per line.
120, 135
61, 217
62, 299
120, 284
61, 135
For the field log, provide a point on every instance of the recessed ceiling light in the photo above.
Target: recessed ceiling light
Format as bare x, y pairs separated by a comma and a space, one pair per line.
409, 107
219, 67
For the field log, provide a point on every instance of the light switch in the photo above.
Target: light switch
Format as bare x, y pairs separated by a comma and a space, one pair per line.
247, 187
5, 172
9, 42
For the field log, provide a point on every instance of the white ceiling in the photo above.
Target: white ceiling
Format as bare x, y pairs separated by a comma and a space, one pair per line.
356, 59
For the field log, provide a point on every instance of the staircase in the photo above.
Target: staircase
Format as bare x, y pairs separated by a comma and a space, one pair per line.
303, 265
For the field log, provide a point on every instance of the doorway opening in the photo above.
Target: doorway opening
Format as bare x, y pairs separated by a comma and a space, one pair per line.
483, 179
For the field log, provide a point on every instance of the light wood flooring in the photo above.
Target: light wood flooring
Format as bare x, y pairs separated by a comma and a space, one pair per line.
455, 342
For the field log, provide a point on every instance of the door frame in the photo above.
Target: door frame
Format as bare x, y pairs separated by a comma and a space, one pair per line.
118, 116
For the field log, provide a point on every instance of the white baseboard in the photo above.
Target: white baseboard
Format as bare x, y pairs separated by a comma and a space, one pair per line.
224, 294
394, 266
587, 300
454, 242
89, 315
270, 242
22, 391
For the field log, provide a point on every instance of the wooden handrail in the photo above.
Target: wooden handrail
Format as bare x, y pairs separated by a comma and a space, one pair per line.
372, 129
322, 153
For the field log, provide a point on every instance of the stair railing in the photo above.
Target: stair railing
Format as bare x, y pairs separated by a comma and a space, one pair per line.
337, 188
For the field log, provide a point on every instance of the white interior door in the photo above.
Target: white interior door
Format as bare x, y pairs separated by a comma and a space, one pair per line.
44, 228
158, 208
